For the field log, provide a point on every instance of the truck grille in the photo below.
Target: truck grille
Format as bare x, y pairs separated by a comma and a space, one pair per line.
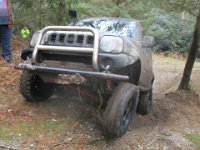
72, 40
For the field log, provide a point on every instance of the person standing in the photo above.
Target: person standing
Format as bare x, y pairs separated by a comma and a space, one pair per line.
25, 33
6, 21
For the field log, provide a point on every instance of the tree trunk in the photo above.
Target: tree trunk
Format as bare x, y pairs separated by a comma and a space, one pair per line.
40, 15
191, 56
61, 12
118, 2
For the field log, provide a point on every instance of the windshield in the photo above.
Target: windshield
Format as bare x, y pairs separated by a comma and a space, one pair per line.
121, 27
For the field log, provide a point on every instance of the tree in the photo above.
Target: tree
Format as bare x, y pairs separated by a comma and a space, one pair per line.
61, 12
191, 55
192, 7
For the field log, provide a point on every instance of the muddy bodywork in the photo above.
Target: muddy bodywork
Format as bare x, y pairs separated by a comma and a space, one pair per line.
99, 48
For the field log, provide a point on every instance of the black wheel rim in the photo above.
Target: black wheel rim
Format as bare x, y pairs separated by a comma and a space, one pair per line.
127, 114
37, 84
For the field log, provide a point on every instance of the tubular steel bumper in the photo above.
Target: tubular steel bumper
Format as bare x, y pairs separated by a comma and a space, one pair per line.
91, 74
93, 51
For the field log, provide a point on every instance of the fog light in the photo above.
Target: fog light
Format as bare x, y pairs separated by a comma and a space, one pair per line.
105, 62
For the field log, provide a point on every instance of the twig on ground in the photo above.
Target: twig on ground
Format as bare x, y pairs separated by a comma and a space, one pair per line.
63, 143
8, 147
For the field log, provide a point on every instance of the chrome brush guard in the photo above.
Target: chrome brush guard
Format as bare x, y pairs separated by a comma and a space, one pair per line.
93, 50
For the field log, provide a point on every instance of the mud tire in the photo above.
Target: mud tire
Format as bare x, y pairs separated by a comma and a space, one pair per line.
33, 88
145, 103
120, 109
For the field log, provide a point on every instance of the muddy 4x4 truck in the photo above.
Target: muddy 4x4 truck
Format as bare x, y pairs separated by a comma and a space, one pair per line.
111, 55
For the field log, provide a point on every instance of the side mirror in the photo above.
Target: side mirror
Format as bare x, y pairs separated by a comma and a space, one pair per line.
148, 41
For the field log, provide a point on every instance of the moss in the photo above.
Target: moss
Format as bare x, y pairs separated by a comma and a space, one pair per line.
1, 97
48, 124
195, 138
5, 133
24, 125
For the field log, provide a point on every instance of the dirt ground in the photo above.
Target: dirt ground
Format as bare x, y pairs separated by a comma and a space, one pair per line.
68, 121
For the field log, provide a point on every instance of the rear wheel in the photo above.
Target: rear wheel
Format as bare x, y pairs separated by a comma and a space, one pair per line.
145, 102
33, 88
120, 109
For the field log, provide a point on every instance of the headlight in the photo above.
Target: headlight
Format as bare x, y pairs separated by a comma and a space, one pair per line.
34, 38
111, 44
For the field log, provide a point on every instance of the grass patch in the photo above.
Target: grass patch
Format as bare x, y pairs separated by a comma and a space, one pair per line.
47, 128
57, 126
195, 138
173, 60
24, 125
48, 124
1, 97
61, 127
5, 133
24, 128
69, 119
168, 59
109, 141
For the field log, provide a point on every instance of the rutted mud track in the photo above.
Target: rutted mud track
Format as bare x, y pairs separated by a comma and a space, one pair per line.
68, 121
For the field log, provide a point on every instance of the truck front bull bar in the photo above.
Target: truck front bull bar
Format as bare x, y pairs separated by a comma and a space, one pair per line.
90, 74
93, 50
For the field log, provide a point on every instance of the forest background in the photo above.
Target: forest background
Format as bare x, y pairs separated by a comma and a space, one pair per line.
172, 28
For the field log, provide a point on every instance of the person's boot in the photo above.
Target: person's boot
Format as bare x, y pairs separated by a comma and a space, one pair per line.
8, 59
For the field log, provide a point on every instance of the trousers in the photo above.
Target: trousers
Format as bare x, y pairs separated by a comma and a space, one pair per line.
5, 42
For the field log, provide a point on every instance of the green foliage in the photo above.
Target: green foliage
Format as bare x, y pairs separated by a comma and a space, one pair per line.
24, 128
161, 19
192, 6
40, 13
48, 124
195, 138
1, 97
25, 125
5, 133
170, 32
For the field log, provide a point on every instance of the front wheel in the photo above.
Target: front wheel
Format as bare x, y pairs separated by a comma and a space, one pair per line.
120, 109
33, 88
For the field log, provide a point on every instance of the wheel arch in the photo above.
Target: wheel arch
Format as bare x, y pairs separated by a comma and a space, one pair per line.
133, 71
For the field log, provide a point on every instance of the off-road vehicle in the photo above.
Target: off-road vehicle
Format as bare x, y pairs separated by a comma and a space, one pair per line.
112, 55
